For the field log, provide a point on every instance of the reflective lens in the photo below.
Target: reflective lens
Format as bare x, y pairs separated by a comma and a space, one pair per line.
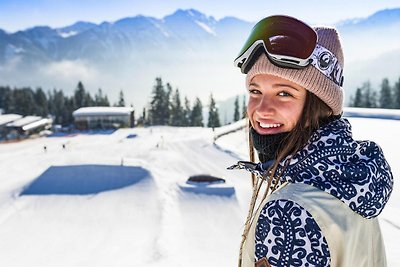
287, 41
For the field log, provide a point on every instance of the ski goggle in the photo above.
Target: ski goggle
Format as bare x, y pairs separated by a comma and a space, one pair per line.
288, 43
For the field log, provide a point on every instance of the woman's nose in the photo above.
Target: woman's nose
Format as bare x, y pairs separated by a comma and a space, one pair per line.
266, 106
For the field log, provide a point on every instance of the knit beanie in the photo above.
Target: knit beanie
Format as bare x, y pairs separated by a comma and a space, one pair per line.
310, 77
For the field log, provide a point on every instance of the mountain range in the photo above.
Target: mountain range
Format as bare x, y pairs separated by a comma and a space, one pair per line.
191, 50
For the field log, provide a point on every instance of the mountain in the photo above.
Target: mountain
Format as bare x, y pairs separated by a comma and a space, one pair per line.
372, 49
189, 49
186, 48
109, 41
75, 28
378, 19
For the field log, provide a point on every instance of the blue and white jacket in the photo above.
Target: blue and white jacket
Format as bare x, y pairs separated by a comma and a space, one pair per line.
355, 172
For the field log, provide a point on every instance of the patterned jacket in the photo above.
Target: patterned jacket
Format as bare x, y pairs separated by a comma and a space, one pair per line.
354, 172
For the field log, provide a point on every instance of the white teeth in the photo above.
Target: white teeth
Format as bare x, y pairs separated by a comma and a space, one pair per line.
267, 125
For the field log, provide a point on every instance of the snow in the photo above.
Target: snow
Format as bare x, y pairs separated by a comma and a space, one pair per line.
121, 203
206, 27
24, 121
98, 111
372, 113
12, 50
67, 34
7, 118
36, 124
164, 32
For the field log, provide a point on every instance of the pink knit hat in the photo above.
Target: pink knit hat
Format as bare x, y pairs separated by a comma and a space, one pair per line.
310, 77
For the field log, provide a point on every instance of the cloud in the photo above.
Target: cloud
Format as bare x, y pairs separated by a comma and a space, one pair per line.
67, 70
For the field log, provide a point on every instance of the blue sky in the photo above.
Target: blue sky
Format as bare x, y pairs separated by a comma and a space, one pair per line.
22, 14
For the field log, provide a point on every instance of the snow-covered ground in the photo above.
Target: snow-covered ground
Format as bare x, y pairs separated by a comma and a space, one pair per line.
64, 206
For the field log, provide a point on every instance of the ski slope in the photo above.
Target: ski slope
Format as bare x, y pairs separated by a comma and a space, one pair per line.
145, 219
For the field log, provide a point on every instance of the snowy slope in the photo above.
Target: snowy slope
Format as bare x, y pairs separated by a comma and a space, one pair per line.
150, 222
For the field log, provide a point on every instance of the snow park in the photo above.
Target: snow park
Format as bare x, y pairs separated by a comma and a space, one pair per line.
122, 124
123, 198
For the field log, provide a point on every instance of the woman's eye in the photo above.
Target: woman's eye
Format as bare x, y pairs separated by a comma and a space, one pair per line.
284, 94
254, 92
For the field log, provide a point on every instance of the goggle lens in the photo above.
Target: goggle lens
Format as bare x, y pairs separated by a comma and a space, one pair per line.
282, 36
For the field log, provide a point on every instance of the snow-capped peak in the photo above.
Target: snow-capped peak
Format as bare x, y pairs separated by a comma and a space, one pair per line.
67, 34
205, 27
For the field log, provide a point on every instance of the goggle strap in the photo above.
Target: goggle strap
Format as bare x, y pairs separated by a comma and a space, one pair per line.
322, 59
328, 64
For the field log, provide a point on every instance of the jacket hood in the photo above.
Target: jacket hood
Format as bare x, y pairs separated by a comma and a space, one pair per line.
355, 172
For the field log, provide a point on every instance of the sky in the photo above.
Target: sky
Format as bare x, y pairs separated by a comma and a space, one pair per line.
21, 14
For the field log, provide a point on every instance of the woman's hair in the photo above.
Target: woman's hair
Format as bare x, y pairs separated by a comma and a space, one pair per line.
315, 112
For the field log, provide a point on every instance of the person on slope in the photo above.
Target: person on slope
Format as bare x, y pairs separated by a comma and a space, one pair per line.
317, 192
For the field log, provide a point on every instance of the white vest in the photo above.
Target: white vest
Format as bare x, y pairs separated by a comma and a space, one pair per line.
353, 241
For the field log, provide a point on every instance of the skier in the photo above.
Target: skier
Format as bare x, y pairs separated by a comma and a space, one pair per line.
316, 191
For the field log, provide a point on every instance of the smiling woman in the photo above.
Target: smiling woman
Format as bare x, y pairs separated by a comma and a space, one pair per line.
275, 104
322, 190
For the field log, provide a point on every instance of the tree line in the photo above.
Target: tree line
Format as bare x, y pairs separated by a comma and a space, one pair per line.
165, 108
386, 97
26, 101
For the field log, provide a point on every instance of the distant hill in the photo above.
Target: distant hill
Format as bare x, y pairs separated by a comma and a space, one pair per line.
189, 49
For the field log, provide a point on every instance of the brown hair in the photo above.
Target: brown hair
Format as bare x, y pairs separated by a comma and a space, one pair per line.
314, 113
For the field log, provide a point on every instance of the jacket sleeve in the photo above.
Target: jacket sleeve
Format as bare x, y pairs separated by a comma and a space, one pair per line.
287, 235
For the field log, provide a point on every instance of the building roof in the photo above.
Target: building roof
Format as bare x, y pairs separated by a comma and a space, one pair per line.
24, 121
36, 124
7, 118
102, 111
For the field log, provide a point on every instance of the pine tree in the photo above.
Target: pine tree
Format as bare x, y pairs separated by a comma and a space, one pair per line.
358, 99
176, 110
369, 96
159, 105
144, 120
3, 93
121, 99
236, 114
186, 113
167, 103
385, 99
41, 107
196, 116
213, 116
68, 109
57, 107
106, 103
50, 103
244, 108
88, 100
396, 93
24, 101
7, 102
79, 96
101, 100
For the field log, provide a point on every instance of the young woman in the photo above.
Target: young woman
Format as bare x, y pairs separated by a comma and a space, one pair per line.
316, 191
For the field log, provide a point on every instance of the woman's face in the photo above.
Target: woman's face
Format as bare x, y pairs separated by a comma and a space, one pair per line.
275, 104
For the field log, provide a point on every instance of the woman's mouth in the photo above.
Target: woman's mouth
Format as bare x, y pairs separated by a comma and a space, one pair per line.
269, 128
270, 125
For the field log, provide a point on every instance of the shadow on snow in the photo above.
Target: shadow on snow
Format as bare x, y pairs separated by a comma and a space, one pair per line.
85, 179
